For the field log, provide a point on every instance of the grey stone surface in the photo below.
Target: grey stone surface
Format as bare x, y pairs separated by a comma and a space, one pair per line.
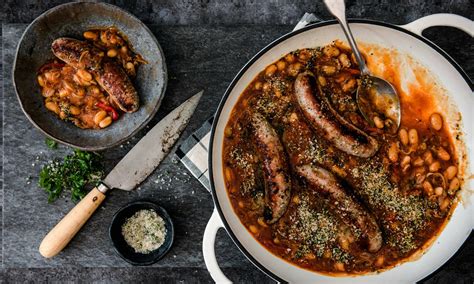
204, 54
130, 275
1, 145
279, 12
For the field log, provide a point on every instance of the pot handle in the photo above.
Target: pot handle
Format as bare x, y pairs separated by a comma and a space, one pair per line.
208, 249
449, 20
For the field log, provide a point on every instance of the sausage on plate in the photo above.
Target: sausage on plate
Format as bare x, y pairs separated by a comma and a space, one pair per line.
110, 76
113, 79
79, 54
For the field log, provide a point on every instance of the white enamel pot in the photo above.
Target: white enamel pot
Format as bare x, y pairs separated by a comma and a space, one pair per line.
406, 39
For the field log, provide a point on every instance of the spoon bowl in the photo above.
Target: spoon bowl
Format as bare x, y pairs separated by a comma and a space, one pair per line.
379, 103
377, 99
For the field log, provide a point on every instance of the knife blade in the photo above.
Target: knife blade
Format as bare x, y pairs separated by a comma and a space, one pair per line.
139, 162
147, 154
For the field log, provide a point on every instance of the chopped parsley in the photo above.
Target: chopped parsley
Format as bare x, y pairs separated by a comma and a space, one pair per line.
51, 143
74, 173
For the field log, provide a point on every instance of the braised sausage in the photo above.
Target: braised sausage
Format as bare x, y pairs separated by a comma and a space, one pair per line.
275, 168
348, 208
113, 79
110, 76
78, 54
325, 120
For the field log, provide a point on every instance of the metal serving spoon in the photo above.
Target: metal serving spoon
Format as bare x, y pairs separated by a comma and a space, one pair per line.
377, 99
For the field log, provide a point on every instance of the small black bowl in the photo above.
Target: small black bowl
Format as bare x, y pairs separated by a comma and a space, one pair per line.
126, 251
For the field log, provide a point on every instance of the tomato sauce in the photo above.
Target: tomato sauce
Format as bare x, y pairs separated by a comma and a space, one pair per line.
409, 185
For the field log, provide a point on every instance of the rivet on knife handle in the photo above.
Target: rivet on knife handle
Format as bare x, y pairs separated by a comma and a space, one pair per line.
66, 229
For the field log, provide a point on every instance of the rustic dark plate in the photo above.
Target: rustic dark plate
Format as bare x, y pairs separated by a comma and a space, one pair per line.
121, 246
72, 20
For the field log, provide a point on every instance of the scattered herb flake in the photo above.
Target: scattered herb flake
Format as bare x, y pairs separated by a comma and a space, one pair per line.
51, 143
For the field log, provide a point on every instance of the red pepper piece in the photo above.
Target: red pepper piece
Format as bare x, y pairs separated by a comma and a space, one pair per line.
353, 71
109, 109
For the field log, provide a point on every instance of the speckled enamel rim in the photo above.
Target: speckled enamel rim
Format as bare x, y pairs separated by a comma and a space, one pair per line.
143, 124
244, 69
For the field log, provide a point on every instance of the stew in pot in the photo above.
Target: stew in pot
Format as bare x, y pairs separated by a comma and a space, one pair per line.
317, 185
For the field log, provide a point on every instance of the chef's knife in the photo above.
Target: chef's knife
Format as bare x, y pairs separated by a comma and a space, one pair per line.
144, 157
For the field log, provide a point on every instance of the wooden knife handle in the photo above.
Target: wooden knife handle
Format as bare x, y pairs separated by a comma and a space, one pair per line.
67, 228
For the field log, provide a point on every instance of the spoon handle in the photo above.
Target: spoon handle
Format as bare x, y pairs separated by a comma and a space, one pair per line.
338, 10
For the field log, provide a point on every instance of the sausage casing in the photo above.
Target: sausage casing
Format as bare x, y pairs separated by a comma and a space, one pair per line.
348, 209
275, 168
110, 76
79, 54
325, 120
113, 79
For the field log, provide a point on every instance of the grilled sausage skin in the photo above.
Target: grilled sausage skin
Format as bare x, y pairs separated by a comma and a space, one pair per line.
348, 209
113, 79
79, 54
325, 120
110, 76
275, 168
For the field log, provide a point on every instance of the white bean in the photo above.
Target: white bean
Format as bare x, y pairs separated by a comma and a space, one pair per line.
413, 136
436, 121
403, 134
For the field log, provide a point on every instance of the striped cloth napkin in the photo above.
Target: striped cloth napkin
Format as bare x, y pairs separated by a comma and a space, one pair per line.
193, 151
